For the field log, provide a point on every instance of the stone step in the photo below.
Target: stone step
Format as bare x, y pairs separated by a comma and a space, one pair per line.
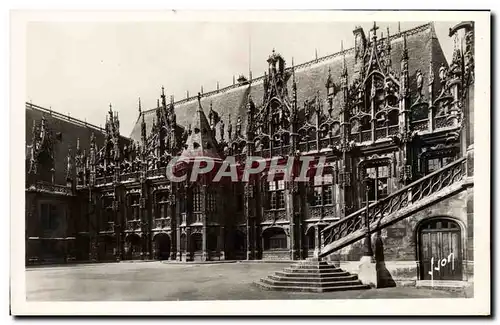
311, 270
313, 266
312, 274
307, 262
314, 279
309, 284
311, 289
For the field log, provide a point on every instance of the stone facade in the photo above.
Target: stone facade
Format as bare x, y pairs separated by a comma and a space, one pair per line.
391, 109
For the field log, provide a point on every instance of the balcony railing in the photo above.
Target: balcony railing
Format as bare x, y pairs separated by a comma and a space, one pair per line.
51, 188
162, 223
129, 176
366, 136
420, 125
134, 225
444, 121
159, 172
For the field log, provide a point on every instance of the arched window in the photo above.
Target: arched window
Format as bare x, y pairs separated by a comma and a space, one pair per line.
310, 238
211, 200
275, 238
276, 194
197, 204
378, 172
162, 205
134, 199
323, 190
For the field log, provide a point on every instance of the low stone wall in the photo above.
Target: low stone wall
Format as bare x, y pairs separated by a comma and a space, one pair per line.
276, 255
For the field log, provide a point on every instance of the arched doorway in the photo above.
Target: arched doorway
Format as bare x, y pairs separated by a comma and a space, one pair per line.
107, 248
440, 249
132, 247
196, 243
162, 246
275, 239
239, 244
310, 241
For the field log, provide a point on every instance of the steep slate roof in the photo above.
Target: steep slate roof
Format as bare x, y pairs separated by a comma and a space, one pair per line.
70, 129
422, 45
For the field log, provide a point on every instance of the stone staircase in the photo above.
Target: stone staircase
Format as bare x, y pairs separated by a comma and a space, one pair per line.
311, 275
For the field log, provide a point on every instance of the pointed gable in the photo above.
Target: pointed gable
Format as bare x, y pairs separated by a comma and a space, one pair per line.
201, 140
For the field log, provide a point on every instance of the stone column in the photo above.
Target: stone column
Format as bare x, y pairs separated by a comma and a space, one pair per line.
367, 273
178, 256
317, 241
174, 243
248, 195
220, 244
255, 243
204, 256
188, 254
291, 193
248, 241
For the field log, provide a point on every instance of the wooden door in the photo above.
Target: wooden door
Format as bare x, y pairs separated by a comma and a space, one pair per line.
440, 250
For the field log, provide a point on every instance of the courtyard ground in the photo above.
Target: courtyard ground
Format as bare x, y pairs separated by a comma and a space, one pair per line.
157, 281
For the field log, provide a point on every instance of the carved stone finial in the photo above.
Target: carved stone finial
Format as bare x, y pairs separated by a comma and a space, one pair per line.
229, 127
420, 82
221, 129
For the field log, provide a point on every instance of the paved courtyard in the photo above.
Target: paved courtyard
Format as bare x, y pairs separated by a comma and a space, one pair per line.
157, 281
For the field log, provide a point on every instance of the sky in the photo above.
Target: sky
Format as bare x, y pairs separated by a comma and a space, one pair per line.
79, 68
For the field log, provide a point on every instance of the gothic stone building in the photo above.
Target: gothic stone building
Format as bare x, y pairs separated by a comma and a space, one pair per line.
392, 117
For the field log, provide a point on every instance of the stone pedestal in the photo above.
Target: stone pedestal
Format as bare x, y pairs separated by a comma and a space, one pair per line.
367, 273
186, 257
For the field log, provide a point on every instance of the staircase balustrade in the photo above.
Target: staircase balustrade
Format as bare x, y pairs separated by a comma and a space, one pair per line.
405, 197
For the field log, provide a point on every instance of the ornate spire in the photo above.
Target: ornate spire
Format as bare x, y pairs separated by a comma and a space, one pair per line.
221, 129
405, 48
140, 109
143, 131
229, 127
344, 65
431, 73
163, 100
388, 62
374, 31
294, 86
404, 83
200, 109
